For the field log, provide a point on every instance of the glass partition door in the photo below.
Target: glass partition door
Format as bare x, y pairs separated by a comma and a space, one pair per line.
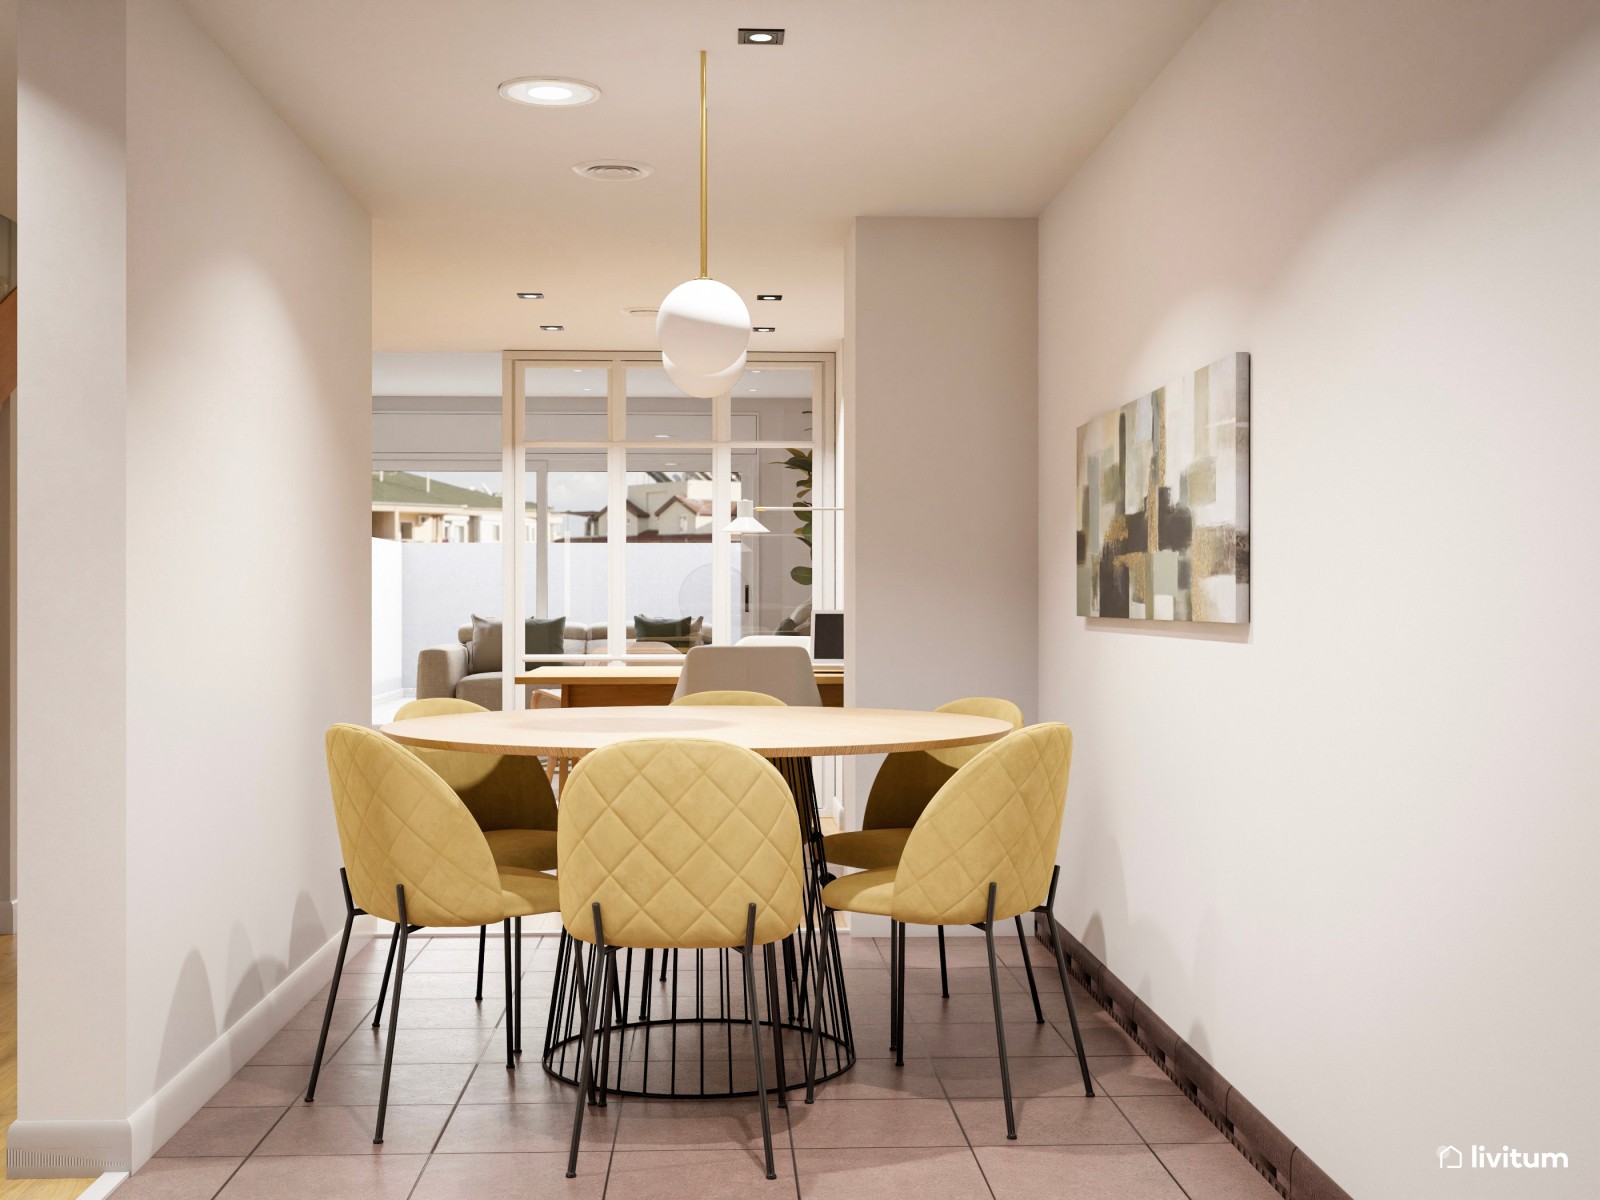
626, 488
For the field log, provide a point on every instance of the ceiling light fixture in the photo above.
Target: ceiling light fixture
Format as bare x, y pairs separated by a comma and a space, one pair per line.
703, 325
769, 296
746, 521
761, 37
530, 295
552, 328
613, 170
548, 92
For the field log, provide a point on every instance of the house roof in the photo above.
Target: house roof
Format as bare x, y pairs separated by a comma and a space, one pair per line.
406, 489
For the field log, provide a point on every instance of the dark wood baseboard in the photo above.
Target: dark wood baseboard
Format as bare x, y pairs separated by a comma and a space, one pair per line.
1283, 1164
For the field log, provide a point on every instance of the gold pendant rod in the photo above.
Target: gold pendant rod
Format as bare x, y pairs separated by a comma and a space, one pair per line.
704, 271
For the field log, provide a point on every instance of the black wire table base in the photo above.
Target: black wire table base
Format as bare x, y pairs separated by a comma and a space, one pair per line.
676, 1020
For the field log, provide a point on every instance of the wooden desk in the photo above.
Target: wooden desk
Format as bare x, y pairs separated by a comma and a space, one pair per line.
613, 687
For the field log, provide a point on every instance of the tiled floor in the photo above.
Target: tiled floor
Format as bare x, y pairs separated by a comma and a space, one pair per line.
460, 1125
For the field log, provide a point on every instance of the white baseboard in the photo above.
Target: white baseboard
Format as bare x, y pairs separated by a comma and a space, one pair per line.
70, 1149
104, 1186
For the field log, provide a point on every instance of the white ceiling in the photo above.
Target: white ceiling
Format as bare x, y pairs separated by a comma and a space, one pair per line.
887, 107
421, 373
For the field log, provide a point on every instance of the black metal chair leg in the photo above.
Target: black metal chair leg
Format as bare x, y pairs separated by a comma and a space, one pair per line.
769, 967
999, 1019
608, 1002
755, 1040
1066, 987
516, 978
944, 971
483, 945
403, 930
511, 1034
900, 1004
1027, 962
351, 911
383, 988
894, 985
589, 1000
816, 1016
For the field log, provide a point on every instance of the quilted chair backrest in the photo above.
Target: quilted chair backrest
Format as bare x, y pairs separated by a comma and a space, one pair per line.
399, 823
731, 698
998, 820
908, 780
501, 791
674, 838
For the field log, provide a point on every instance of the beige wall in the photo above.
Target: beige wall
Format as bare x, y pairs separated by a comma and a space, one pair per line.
178, 857
939, 395
1350, 856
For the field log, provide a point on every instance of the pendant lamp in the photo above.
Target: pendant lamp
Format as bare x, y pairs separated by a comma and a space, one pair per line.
703, 325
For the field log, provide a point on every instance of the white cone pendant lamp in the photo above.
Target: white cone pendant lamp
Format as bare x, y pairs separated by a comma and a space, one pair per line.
703, 325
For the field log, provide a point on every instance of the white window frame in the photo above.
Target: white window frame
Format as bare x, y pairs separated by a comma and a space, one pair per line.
516, 447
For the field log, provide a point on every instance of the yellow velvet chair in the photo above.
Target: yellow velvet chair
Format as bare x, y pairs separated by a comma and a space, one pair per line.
678, 844
730, 698
900, 791
510, 798
414, 855
982, 851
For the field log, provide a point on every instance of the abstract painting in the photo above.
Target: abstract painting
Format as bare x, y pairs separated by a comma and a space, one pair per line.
1164, 502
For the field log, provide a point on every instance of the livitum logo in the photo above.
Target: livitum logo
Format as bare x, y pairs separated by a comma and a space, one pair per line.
1484, 1158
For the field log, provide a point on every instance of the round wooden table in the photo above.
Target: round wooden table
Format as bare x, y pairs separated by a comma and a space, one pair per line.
693, 1045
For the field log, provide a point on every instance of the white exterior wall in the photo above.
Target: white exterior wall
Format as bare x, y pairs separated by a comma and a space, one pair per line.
1348, 854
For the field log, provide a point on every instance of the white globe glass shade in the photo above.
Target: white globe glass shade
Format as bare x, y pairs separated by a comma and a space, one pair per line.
692, 383
703, 326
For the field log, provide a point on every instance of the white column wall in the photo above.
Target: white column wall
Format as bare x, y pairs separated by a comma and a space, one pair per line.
195, 571
1349, 855
940, 392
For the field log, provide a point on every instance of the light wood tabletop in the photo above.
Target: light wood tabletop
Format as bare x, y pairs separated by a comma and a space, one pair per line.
772, 732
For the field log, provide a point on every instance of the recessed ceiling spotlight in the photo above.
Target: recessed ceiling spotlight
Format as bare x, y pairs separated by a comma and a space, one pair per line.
769, 296
552, 328
549, 92
761, 37
766, 329
640, 312
661, 437
530, 295
613, 170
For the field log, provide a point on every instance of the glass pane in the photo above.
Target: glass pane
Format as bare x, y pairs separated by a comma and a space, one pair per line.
772, 571
567, 569
436, 554
774, 404
565, 404
658, 411
670, 522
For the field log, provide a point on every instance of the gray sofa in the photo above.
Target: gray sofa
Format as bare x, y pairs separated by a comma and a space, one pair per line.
448, 669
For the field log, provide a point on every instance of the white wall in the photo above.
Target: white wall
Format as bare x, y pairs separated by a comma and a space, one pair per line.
200, 550
941, 530
388, 620
1350, 856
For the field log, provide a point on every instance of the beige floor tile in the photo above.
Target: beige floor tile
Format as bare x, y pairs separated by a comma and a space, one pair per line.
460, 1012
976, 1039
262, 1087
886, 1123
409, 1083
366, 1046
1081, 1172
491, 1083
290, 1046
1168, 1119
1030, 1076
178, 1179
1130, 1075
880, 1079
347, 1014
891, 1174
511, 1177
964, 981
339, 1129
697, 1125
525, 1128
326, 1177
220, 1133
1047, 1121
701, 1174
1215, 1172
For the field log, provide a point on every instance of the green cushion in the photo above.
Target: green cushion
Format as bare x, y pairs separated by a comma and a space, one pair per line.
545, 635
674, 632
